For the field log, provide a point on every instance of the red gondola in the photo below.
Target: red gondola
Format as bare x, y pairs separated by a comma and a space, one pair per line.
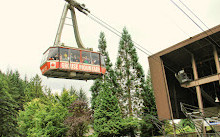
68, 62
72, 63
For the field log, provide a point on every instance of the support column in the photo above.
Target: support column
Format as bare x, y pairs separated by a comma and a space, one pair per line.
217, 66
216, 60
169, 102
198, 91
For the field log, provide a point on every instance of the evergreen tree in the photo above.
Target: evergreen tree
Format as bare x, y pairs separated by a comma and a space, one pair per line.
16, 88
48, 91
8, 107
130, 76
107, 115
34, 89
66, 99
72, 91
149, 109
82, 95
95, 88
130, 126
109, 76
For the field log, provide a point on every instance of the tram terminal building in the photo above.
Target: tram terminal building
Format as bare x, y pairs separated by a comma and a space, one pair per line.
187, 72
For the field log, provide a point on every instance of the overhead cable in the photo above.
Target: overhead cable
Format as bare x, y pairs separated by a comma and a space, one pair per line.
212, 41
118, 33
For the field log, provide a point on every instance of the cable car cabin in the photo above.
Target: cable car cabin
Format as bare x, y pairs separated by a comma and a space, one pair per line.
72, 63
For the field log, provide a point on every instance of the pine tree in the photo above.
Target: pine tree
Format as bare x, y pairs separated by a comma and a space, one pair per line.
66, 99
95, 88
34, 89
110, 76
8, 109
107, 115
149, 109
82, 95
130, 76
72, 91
16, 88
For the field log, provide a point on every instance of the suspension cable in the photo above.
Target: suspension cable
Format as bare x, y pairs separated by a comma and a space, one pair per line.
212, 40
118, 33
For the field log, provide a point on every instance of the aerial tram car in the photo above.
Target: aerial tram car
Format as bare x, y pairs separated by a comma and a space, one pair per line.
61, 61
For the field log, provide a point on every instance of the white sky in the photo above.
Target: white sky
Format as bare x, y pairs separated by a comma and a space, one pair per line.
28, 28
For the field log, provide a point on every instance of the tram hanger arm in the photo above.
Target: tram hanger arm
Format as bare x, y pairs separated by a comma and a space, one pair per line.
70, 6
80, 7
75, 27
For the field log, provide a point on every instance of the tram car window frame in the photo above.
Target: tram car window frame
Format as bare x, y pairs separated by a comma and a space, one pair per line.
86, 57
64, 54
95, 58
75, 55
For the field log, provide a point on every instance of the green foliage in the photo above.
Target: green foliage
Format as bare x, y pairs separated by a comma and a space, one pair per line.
107, 115
65, 99
168, 127
29, 109
8, 107
148, 128
41, 118
82, 95
95, 88
130, 77
136, 94
72, 91
16, 88
109, 76
186, 125
34, 89
130, 126
149, 109
186, 122
186, 129
45, 116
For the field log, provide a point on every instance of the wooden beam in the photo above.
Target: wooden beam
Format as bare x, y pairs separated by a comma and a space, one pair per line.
201, 81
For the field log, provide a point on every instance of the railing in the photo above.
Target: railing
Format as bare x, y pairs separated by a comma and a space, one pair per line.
198, 119
192, 135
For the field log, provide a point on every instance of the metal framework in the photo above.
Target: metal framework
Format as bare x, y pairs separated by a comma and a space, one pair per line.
70, 6
196, 116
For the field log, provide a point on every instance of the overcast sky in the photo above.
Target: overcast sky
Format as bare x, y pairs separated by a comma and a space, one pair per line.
28, 28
